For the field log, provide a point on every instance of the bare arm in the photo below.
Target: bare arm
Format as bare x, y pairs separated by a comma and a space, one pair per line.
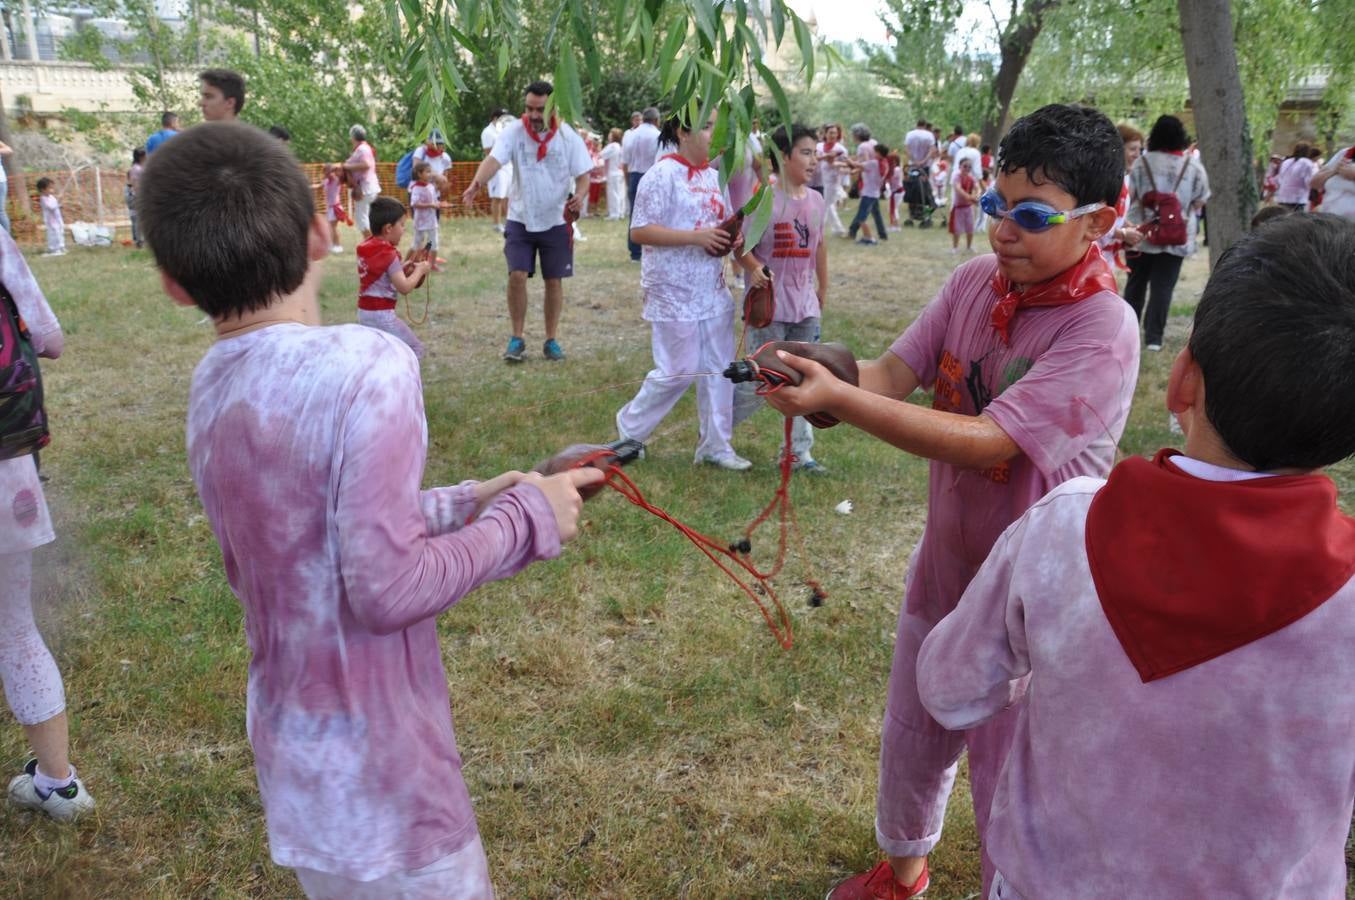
580, 191
973, 442
1342, 169
488, 167
712, 239
406, 283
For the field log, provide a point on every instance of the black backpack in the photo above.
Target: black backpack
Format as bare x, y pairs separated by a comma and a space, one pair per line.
23, 420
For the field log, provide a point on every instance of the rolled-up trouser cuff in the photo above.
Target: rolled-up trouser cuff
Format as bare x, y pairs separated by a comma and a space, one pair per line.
893, 847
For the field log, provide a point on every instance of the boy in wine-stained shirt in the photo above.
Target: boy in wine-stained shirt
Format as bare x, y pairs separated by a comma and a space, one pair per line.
1032, 360
1182, 631
307, 447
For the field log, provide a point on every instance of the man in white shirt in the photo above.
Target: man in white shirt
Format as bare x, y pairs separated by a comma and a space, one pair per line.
637, 156
1337, 180
917, 191
502, 181
635, 120
550, 174
955, 145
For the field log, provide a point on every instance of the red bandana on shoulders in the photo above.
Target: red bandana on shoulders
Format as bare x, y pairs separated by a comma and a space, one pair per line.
1188, 569
691, 169
1090, 276
432, 154
541, 140
828, 146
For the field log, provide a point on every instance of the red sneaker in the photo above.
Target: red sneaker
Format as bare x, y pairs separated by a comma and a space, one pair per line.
879, 884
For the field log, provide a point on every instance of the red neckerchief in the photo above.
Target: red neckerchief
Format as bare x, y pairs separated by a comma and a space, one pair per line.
1173, 152
1188, 569
421, 184
375, 256
431, 154
828, 146
542, 141
691, 169
1090, 276
1350, 154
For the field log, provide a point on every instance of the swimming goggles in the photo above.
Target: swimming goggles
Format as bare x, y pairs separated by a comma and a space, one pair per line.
1030, 215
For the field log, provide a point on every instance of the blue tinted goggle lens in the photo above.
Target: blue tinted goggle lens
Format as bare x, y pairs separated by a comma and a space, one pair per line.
1027, 215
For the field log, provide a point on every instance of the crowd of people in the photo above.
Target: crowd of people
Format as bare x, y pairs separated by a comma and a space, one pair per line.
1031, 634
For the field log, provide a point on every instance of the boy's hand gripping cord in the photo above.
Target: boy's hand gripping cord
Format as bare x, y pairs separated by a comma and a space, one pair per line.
772, 374
418, 255
611, 457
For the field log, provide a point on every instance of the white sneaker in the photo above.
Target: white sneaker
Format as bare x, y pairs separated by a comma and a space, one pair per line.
337, 248
1154, 348
64, 804
733, 462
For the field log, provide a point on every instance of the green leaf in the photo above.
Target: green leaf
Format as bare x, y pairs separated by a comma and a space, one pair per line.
805, 41
778, 22
762, 204
778, 94
503, 58
567, 77
672, 46
705, 19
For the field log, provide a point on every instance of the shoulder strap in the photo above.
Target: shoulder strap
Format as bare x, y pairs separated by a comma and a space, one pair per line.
1185, 164
1147, 168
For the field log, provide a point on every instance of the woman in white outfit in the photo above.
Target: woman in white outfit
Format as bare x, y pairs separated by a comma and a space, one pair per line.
831, 152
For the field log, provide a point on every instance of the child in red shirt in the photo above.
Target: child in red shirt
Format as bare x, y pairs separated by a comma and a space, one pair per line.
381, 273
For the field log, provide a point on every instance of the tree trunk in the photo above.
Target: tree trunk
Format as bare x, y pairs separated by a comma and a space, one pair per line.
1018, 39
1220, 118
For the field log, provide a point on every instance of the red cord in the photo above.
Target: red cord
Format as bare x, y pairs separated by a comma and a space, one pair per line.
780, 624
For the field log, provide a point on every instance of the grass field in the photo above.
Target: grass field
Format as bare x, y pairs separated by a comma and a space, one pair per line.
628, 725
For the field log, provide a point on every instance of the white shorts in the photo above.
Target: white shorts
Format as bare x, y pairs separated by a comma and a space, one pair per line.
362, 213
501, 183
424, 236
25, 523
463, 875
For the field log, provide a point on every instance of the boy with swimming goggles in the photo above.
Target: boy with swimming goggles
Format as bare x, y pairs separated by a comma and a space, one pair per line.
1031, 358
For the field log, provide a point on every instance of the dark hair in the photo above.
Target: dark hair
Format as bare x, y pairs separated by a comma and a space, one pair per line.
881, 149
385, 211
1075, 147
1274, 336
1300, 150
43, 184
540, 88
1168, 133
1266, 214
798, 133
958, 130
986, 148
922, 123
230, 84
419, 167
1315, 153
280, 133
227, 213
168, 118
138, 154
498, 111
668, 133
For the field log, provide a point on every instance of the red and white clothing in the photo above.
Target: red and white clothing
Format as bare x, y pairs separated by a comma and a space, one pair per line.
1293, 180
830, 179
307, 448
333, 201
1338, 194
502, 182
961, 219
790, 249
1110, 244
1061, 389
367, 178
1179, 736
687, 304
439, 160
872, 168
377, 295
542, 181
425, 218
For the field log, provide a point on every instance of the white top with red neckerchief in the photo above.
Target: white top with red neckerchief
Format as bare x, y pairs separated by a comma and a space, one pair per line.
541, 186
681, 284
1338, 196
826, 171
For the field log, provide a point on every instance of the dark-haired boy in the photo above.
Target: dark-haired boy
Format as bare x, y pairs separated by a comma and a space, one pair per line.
381, 274
1182, 631
307, 448
222, 96
1032, 359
